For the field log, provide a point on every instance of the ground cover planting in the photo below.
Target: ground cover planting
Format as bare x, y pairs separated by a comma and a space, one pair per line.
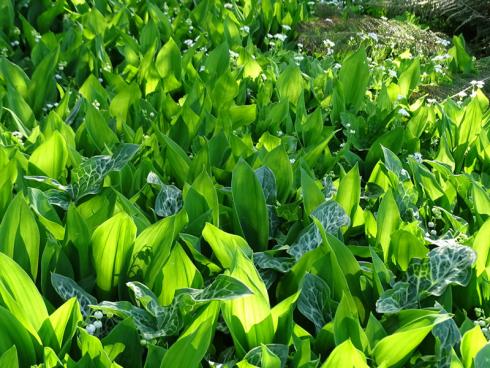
202, 183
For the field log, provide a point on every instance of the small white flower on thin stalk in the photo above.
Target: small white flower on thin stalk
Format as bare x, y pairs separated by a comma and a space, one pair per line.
417, 157
403, 112
280, 36
90, 329
97, 324
98, 315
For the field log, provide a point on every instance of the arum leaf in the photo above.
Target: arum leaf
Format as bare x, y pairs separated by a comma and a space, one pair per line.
332, 217
314, 300
67, 289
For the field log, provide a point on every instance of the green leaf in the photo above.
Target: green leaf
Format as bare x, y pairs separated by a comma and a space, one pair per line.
397, 347
57, 331
19, 295
388, 221
126, 96
20, 235
168, 65
472, 342
410, 78
346, 355
189, 350
290, 84
248, 318
312, 194
14, 335
250, 206
349, 192
462, 61
347, 326
43, 86
111, 247
354, 77
10, 359
481, 245
50, 157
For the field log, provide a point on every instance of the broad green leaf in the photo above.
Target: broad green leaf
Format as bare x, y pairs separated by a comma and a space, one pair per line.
248, 318
58, 330
168, 65
111, 247
312, 194
410, 78
481, 245
349, 192
388, 221
269, 359
9, 359
404, 246
19, 235
121, 103
250, 206
19, 295
91, 347
50, 157
354, 78
290, 84
192, 345
462, 61
346, 324
472, 342
14, 334
42, 86
346, 355
178, 272
153, 246
282, 318
397, 347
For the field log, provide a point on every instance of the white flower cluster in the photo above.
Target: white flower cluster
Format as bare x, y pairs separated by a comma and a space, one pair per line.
329, 46
97, 324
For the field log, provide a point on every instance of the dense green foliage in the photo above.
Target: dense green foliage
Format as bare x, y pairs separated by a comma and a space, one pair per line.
181, 185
